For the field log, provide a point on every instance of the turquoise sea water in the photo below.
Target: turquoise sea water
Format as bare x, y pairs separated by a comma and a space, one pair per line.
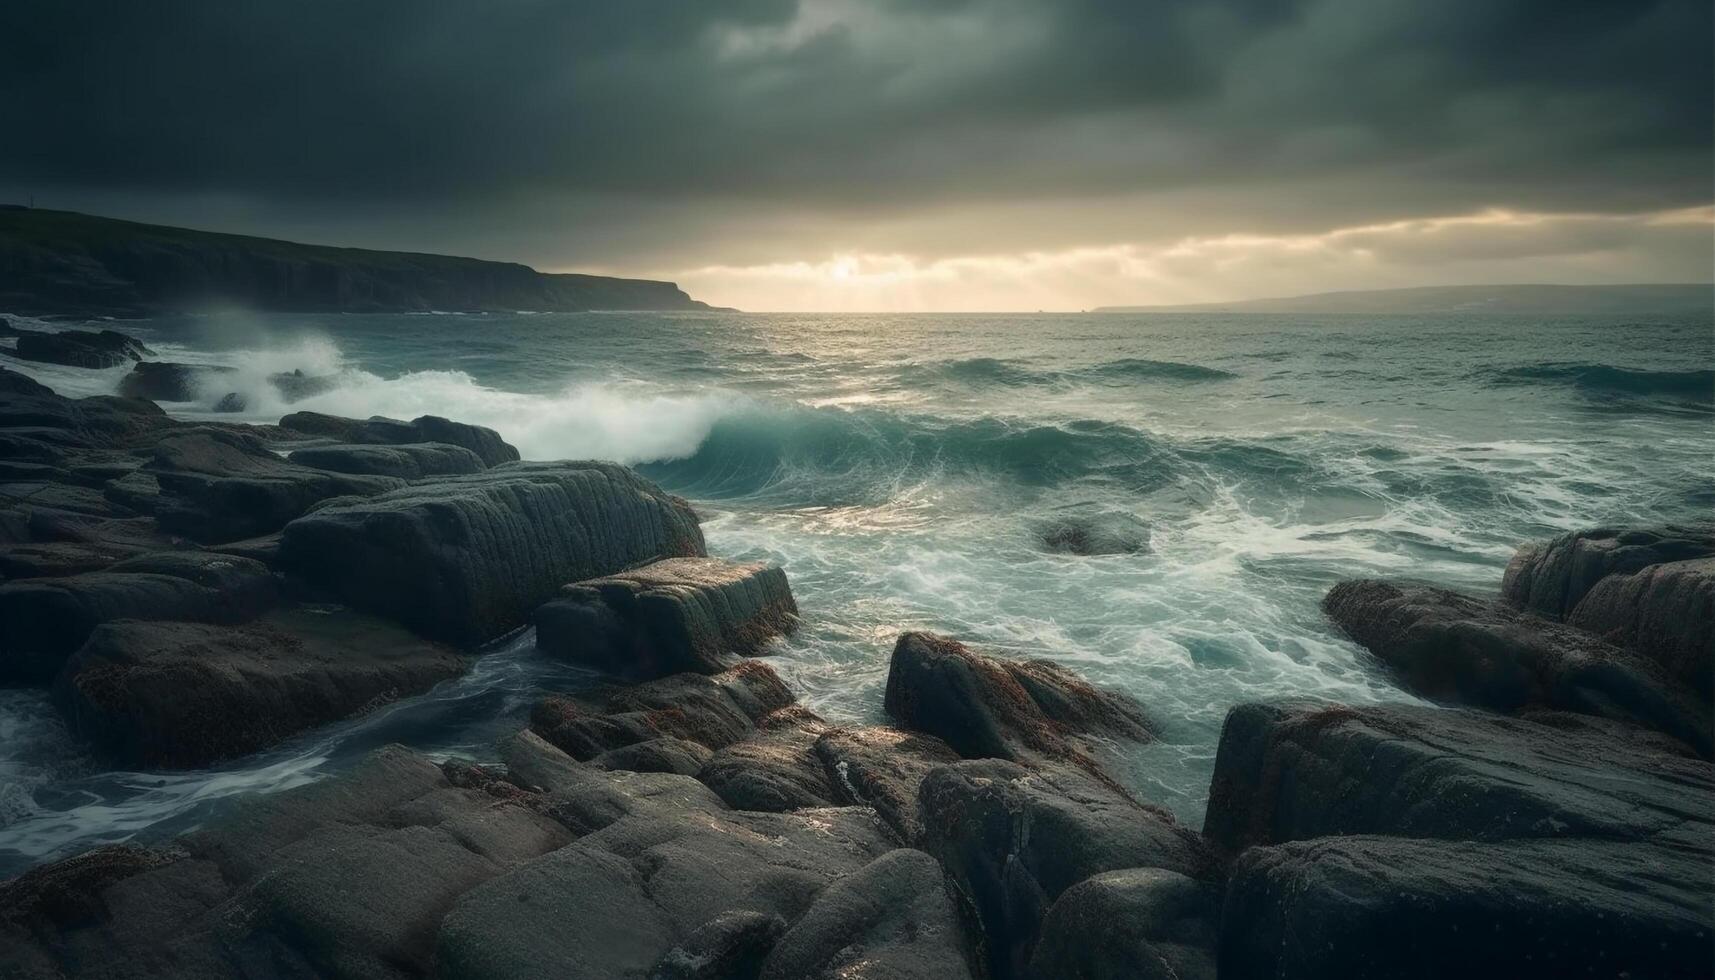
910, 471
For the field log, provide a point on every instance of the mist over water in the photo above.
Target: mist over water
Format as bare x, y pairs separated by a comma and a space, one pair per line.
911, 472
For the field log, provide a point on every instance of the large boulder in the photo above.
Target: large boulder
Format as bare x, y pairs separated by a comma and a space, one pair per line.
1551, 577
44, 621
467, 558
1365, 906
409, 462
672, 616
222, 485
483, 441
1134, 924
774, 769
177, 695
80, 348
1014, 839
892, 918
1665, 611
1456, 647
169, 381
988, 707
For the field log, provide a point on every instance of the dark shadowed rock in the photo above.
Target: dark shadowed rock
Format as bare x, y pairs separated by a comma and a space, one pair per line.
1296, 771
1665, 611
80, 348
295, 385
1013, 839
892, 918
681, 614
1385, 907
408, 462
467, 558
1551, 577
176, 695
987, 707
1101, 533
223, 485
169, 381
483, 441
1135, 924
1453, 646
43, 621
711, 711
730, 946
883, 768
776, 768
233, 401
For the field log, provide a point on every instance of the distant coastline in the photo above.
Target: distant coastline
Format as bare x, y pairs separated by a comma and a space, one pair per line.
63, 262
1541, 299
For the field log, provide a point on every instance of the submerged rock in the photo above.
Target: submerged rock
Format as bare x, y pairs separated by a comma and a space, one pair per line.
44, 621
1100, 533
181, 695
987, 707
672, 616
467, 558
1453, 646
409, 462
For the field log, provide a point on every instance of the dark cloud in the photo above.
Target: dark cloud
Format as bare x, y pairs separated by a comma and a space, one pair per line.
832, 106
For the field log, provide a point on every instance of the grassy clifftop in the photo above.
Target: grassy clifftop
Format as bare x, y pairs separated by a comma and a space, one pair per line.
65, 262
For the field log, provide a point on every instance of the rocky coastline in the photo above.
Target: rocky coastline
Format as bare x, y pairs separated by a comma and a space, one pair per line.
190, 592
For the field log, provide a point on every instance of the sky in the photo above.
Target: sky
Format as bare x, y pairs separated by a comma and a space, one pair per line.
897, 154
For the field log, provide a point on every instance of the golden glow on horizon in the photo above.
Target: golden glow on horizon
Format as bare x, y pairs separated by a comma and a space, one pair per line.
1496, 245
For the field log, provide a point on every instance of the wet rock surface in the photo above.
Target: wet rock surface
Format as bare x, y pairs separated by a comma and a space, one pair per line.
484, 442
1140, 923
80, 348
671, 616
407, 462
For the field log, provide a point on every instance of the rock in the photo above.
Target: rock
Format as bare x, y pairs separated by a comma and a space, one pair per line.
185, 695
585, 799
711, 711
1102, 533
16, 383
1551, 577
1295, 771
1135, 924
169, 381
882, 768
1385, 907
1455, 647
483, 441
80, 348
223, 485
1664, 611
986, 707
1013, 839
664, 754
672, 616
233, 401
614, 903
467, 558
295, 385
776, 769
409, 462
892, 918
43, 621
730, 945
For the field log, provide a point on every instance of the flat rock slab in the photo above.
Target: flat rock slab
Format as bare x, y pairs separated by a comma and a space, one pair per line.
1386, 907
466, 559
409, 462
484, 442
185, 695
989, 707
672, 616
1452, 646
43, 621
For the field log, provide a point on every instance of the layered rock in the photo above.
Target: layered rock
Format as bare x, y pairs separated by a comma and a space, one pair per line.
408, 462
987, 707
1415, 841
43, 621
176, 695
80, 348
1456, 647
481, 440
467, 558
682, 614
709, 711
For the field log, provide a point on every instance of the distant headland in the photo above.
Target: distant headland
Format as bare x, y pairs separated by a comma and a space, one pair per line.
1544, 300
63, 262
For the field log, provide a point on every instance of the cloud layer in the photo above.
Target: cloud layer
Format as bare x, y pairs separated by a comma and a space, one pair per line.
656, 135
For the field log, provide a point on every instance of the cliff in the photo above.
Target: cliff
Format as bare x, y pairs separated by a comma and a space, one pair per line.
65, 262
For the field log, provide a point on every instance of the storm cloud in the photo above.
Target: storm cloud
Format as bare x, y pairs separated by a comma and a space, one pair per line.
651, 136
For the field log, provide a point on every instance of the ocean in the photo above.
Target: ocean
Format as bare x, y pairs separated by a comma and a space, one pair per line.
1158, 501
